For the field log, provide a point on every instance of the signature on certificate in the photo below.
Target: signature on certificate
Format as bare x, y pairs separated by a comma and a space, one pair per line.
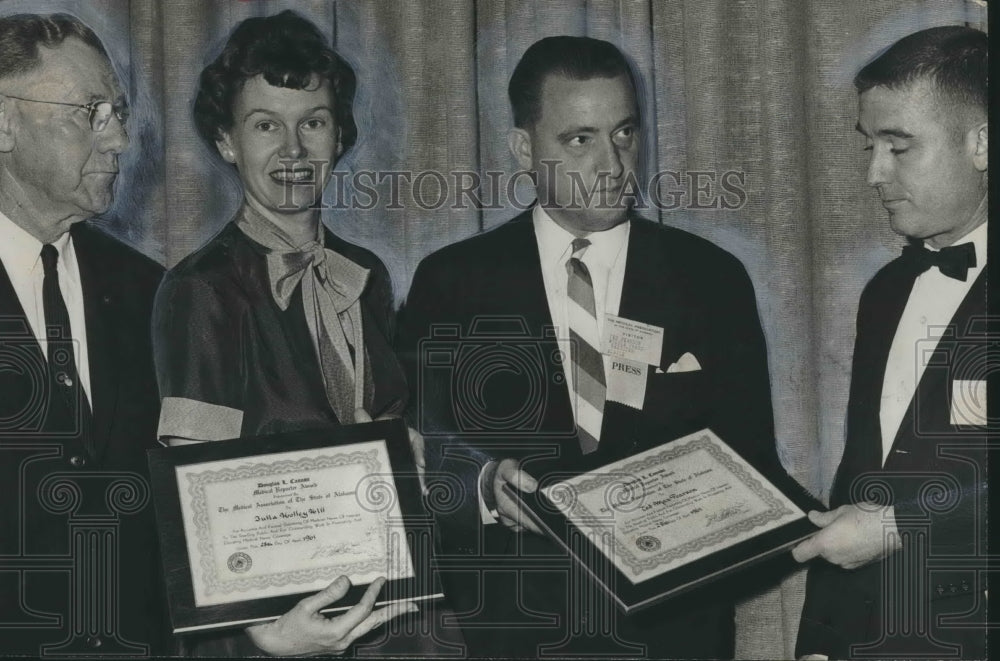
724, 513
364, 547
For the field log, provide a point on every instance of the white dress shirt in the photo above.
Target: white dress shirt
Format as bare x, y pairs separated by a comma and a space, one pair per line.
933, 302
21, 255
605, 259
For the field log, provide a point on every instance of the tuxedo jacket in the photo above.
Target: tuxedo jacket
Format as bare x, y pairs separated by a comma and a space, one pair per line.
50, 483
934, 476
487, 382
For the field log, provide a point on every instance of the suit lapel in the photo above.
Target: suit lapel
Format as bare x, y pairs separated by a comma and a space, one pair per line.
13, 320
933, 380
648, 293
647, 296
14, 325
524, 288
100, 299
868, 370
526, 267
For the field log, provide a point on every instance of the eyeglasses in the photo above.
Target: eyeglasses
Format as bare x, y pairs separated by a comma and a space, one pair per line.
98, 112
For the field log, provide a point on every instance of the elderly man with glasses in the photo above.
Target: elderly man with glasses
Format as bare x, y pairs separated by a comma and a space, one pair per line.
78, 397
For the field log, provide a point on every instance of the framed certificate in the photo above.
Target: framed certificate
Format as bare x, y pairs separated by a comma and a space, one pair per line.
664, 521
250, 526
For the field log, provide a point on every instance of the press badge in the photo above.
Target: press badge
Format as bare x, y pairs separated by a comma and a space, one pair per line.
627, 382
631, 340
968, 402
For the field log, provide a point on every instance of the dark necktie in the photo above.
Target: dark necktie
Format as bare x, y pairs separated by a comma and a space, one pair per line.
953, 261
64, 378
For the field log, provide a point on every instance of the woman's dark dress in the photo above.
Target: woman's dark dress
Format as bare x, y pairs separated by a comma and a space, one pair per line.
230, 363
221, 339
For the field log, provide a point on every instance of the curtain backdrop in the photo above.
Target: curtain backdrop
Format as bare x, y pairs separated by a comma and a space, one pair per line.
761, 88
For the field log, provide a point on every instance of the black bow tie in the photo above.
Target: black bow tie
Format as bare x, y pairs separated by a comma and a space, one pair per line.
953, 261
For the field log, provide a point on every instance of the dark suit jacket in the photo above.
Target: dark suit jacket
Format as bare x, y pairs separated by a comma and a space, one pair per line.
935, 475
50, 485
455, 337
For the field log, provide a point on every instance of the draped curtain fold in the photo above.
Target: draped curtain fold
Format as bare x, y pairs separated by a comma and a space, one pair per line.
759, 88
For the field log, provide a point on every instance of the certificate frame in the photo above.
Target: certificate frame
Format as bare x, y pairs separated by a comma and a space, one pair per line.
629, 596
189, 617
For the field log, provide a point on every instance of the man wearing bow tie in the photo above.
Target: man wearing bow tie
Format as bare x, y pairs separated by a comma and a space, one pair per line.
503, 399
907, 526
78, 398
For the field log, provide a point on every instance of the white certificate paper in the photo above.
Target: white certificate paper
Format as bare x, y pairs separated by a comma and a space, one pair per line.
291, 522
671, 505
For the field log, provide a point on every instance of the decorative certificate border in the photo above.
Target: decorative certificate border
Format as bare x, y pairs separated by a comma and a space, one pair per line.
777, 508
197, 483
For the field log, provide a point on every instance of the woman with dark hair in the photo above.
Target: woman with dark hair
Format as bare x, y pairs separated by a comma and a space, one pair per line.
276, 324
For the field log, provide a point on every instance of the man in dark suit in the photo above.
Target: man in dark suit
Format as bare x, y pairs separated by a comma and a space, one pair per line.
78, 398
900, 553
503, 398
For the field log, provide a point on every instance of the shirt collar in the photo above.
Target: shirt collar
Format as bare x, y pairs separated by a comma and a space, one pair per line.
554, 242
67, 254
977, 238
21, 252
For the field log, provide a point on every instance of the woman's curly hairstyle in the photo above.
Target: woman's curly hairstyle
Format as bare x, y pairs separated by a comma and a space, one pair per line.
288, 51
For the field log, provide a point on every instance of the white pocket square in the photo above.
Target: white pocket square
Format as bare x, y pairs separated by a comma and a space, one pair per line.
686, 363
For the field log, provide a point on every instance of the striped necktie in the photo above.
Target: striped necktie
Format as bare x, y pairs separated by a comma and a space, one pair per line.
587, 363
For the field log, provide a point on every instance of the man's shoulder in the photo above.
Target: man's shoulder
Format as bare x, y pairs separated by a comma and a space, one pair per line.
886, 280
681, 247
488, 245
116, 263
675, 239
95, 244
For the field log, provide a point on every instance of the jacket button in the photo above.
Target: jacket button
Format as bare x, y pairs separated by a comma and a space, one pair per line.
77, 461
93, 641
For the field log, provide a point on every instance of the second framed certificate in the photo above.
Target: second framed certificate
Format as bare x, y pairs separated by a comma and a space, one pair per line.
667, 520
249, 526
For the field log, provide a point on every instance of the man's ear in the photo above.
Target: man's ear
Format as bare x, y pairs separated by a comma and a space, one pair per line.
6, 127
980, 156
519, 142
225, 147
